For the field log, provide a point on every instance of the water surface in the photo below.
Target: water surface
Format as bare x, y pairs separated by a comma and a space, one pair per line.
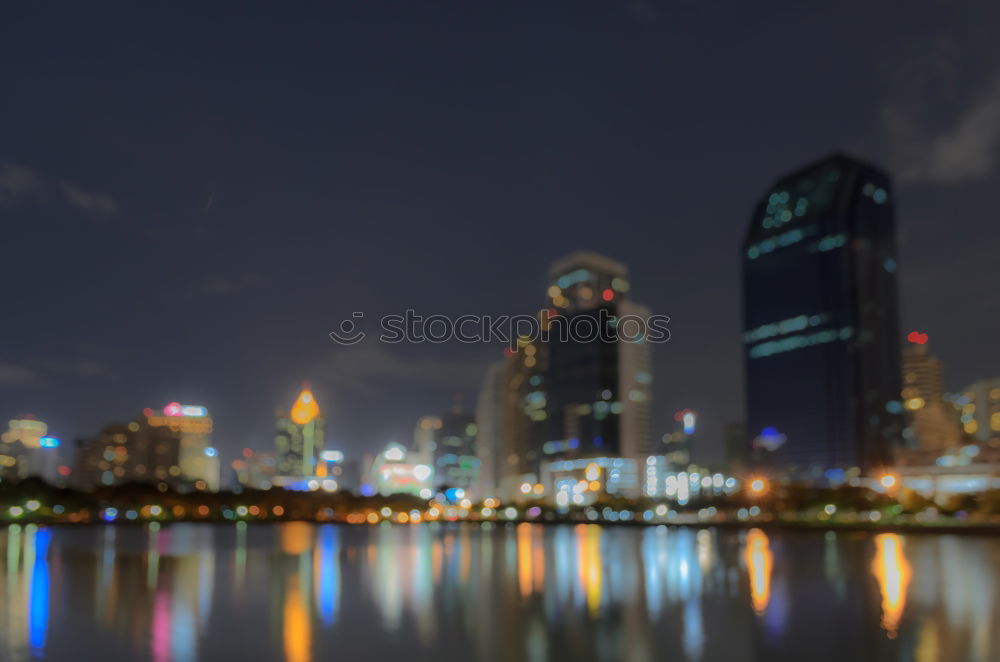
306, 593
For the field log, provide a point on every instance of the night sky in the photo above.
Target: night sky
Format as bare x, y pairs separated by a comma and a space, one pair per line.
193, 195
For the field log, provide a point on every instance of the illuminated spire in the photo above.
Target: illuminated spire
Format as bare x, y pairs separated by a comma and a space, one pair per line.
305, 408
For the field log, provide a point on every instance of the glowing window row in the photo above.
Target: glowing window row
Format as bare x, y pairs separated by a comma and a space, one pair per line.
800, 341
784, 326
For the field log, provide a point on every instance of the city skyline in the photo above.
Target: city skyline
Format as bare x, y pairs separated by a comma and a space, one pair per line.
202, 250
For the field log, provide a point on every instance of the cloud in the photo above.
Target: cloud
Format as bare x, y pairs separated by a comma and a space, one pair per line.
15, 375
88, 201
967, 150
78, 368
21, 185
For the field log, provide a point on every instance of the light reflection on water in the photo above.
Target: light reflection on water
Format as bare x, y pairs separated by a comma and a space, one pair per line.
302, 593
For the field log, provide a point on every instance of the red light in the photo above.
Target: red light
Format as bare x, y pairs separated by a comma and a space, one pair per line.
917, 338
608, 294
147, 412
173, 409
63, 470
247, 452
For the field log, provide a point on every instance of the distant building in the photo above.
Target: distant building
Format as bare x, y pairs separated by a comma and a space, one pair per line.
490, 430
255, 470
299, 438
198, 458
455, 460
28, 451
980, 403
425, 436
133, 452
933, 422
524, 422
821, 342
393, 472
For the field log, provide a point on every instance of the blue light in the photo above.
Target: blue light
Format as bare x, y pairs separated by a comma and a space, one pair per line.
38, 599
769, 432
211, 451
367, 490
49, 442
454, 494
573, 443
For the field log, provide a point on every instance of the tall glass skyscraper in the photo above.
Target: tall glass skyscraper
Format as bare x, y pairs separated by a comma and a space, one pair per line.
821, 339
598, 392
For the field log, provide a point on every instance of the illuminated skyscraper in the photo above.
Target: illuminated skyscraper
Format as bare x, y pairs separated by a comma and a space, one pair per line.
933, 421
980, 403
133, 452
455, 461
27, 450
821, 341
198, 459
597, 391
299, 438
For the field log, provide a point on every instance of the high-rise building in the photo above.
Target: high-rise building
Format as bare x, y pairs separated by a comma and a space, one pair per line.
455, 461
821, 341
598, 378
932, 420
524, 424
198, 459
28, 451
490, 429
425, 439
133, 452
299, 438
980, 403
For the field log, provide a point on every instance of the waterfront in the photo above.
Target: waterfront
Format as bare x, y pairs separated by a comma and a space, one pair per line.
300, 592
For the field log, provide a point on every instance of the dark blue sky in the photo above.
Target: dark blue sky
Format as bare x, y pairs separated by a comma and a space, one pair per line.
193, 196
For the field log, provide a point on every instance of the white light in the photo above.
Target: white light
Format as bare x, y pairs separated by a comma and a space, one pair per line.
426, 493
394, 454
421, 472
329, 485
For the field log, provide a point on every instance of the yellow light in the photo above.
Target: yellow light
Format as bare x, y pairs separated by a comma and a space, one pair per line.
595, 486
758, 486
305, 408
887, 481
539, 489
760, 561
893, 574
372, 518
914, 403
554, 291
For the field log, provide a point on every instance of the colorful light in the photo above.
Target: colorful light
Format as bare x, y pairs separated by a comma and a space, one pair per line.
608, 294
48, 442
305, 408
917, 338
